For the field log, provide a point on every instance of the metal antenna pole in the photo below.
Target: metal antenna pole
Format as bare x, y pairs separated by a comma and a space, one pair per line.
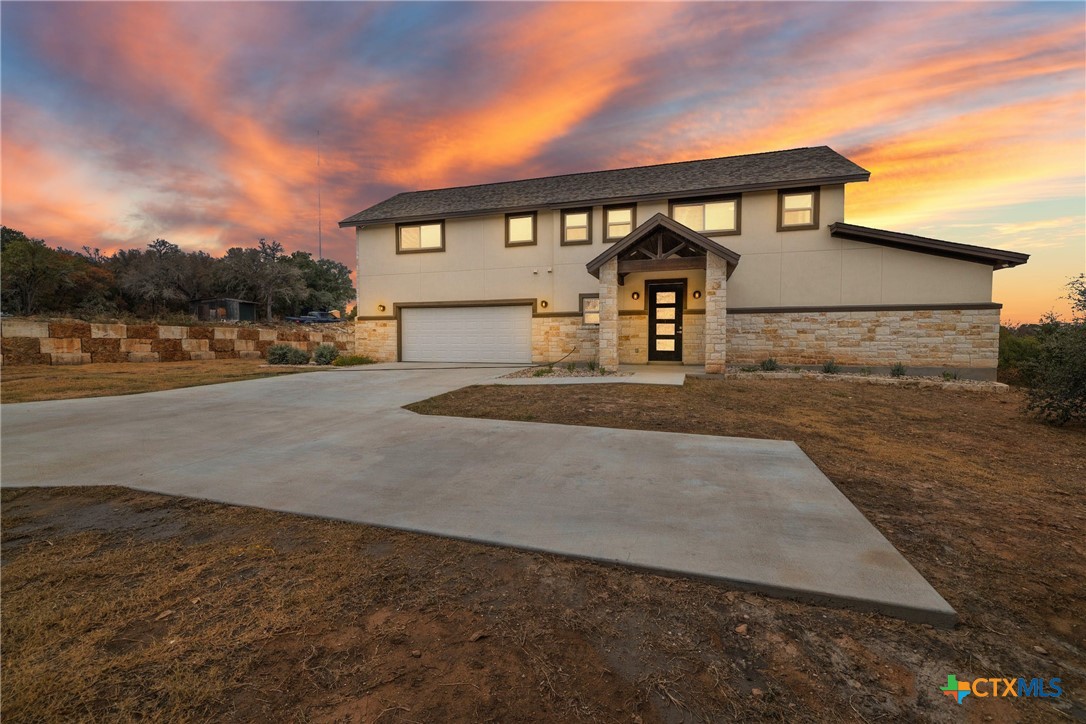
320, 250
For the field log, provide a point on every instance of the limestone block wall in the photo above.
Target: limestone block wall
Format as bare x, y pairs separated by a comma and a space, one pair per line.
693, 339
376, 338
633, 339
73, 342
716, 314
553, 338
936, 338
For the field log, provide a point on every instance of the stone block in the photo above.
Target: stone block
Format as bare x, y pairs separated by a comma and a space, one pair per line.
23, 351
201, 333
70, 358
140, 346
143, 331
249, 354
24, 328
248, 333
77, 330
267, 335
172, 332
105, 349
244, 345
108, 331
143, 356
205, 355
195, 345
65, 345
226, 333
222, 346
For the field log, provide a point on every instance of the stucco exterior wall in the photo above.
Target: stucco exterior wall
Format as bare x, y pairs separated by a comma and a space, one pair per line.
802, 268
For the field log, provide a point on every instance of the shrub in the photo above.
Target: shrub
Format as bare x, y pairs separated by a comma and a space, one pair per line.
325, 354
350, 360
949, 375
1019, 350
898, 370
592, 365
830, 367
284, 354
769, 365
1058, 394
865, 370
749, 369
543, 371
571, 366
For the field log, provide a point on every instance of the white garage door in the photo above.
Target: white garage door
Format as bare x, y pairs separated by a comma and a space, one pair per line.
466, 334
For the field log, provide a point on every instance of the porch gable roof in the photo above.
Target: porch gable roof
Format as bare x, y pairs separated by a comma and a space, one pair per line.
660, 222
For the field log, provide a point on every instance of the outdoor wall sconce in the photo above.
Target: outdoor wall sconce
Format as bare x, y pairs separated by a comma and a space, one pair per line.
380, 307
636, 295
543, 304
697, 295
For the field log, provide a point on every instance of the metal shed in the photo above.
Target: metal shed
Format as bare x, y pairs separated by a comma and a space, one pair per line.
224, 310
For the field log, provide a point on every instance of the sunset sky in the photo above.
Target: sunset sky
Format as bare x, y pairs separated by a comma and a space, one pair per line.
198, 122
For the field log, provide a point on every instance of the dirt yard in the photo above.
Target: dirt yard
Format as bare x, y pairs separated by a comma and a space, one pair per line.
119, 604
44, 382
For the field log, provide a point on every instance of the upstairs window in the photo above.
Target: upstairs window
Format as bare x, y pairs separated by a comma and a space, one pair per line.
411, 238
520, 229
797, 210
618, 222
590, 309
576, 227
708, 216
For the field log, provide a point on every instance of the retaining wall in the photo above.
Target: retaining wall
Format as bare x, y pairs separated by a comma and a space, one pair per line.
27, 342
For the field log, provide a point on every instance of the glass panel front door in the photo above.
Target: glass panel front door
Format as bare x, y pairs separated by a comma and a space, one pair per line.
666, 321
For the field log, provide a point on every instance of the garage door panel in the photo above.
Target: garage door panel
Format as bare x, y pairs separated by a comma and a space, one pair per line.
467, 334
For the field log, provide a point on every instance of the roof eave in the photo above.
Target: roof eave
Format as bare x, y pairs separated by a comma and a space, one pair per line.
710, 191
658, 220
996, 258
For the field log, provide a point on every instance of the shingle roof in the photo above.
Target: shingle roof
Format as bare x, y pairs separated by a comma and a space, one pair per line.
997, 258
777, 169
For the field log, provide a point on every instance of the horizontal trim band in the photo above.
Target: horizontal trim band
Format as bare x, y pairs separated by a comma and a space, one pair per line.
867, 308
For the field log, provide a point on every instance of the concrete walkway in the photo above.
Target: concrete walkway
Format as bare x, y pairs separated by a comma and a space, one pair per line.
755, 514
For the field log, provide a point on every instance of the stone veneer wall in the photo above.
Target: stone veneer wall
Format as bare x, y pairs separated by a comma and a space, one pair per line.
633, 339
73, 342
947, 338
376, 338
553, 338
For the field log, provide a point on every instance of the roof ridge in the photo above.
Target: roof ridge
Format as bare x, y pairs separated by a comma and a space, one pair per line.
613, 170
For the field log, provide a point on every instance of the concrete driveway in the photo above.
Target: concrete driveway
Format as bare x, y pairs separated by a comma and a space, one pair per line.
756, 514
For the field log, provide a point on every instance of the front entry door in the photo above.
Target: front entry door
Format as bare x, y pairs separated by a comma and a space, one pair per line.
666, 321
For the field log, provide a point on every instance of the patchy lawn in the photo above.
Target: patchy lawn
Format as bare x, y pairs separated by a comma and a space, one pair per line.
44, 382
119, 604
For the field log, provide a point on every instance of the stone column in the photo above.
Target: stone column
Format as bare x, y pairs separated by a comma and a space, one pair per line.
609, 315
716, 313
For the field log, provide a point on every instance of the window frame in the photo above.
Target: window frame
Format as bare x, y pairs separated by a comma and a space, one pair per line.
535, 228
815, 202
576, 242
581, 305
694, 201
440, 223
608, 239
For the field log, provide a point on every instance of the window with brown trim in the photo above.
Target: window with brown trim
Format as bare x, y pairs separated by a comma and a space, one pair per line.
520, 229
414, 238
708, 216
797, 210
618, 222
576, 227
590, 309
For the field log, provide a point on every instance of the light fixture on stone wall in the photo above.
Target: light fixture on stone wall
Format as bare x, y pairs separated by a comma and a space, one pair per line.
636, 295
544, 304
697, 295
380, 307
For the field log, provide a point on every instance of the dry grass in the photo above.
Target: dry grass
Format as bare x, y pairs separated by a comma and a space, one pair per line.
44, 382
122, 605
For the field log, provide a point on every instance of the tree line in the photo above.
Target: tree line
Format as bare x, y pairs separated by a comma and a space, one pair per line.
163, 279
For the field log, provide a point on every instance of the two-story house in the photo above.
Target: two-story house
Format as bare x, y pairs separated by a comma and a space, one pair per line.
734, 259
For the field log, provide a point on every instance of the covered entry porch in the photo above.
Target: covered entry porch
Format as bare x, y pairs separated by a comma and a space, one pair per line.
663, 297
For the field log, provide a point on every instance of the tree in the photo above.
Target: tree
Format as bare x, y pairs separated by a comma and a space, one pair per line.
1058, 394
30, 272
155, 275
263, 273
328, 283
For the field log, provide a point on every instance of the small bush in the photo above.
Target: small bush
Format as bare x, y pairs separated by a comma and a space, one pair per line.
592, 365
769, 365
1058, 394
950, 375
571, 367
284, 354
1019, 351
749, 369
865, 370
543, 371
830, 367
325, 354
350, 360
898, 370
